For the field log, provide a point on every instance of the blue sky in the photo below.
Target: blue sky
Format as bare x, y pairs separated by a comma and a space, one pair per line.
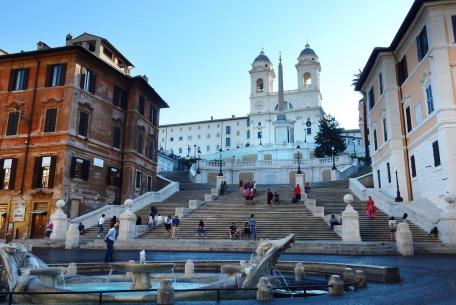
197, 53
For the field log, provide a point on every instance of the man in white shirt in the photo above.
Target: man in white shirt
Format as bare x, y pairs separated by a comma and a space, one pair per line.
110, 239
101, 222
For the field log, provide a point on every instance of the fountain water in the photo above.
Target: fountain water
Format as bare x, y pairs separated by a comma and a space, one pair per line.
108, 277
277, 271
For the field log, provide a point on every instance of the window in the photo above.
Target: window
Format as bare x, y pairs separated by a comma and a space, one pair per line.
171, 139
436, 153
180, 150
7, 173
227, 142
116, 133
83, 125
379, 179
402, 70
13, 123
248, 122
371, 98
380, 83
139, 142
208, 136
248, 134
120, 98
218, 135
388, 169
18, 79
385, 130
138, 180
453, 22
422, 44
149, 183
429, 99
152, 115
189, 127
189, 137
208, 148
80, 168
107, 53
50, 120
259, 85
228, 129
141, 103
55, 75
87, 81
408, 119
150, 147
412, 165
238, 133
114, 177
260, 134
375, 139
418, 115
43, 173
309, 130
180, 138
307, 80
199, 136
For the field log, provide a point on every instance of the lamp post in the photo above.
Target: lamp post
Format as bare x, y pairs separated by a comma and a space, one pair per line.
398, 193
334, 163
188, 151
194, 151
260, 135
198, 160
354, 147
299, 160
220, 162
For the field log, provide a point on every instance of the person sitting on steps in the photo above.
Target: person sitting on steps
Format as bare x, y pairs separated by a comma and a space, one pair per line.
333, 222
235, 232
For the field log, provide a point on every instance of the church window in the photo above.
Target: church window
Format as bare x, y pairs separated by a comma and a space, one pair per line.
309, 130
260, 135
259, 85
228, 129
307, 80
248, 134
180, 138
218, 135
238, 133
208, 148
171, 139
227, 142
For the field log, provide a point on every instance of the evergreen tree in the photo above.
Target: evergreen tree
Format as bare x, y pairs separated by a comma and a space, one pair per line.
329, 135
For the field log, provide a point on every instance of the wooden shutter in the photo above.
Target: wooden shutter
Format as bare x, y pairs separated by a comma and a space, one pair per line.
73, 165
49, 73
116, 137
12, 80
13, 174
26, 78
92, 85
63, 75
37, 174
82, 79
2, 174
50, 119
85, 169
124, 100
12, 126
83, 123
119, 178
52, 172
436, 152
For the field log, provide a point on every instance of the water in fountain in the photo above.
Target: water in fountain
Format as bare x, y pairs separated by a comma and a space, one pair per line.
174, 275
108, 278
281, 275
62, 276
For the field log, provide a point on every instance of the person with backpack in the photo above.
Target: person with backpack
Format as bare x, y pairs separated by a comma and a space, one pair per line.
392, 228
175, 223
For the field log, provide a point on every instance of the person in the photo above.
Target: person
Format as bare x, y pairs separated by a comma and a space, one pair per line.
297, 193
371, 209
392, 228
247, 231
246, 195
81, 228
251, 195
175, 224
49, 229
138, 220
201, 228
333, 222
110, 238
235, 233
241, 186
101, 222
270, 196
254, 186
252, 223
276, 197
113, 221
405, 218
168, 223
306, 187
152, 214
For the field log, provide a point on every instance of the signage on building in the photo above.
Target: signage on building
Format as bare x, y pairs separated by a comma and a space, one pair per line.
19, 212
98, 162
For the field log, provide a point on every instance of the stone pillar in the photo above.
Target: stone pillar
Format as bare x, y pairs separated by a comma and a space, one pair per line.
404, 239
127, 226
60, 221
336, 285
71, 270
300, 180
360, 279
165, 294
348, 275
264, 292
350, 221
219, 181
299, 273
334, 175
447, 223
189, 268
72, 236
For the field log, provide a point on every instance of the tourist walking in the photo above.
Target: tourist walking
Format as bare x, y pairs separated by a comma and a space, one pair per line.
168, 224
152, 214
252, 223
306, 187
175, 223
270, 197
276, 197
371, 209
49, 229
110, 238
101, 222
392, 228
297, 193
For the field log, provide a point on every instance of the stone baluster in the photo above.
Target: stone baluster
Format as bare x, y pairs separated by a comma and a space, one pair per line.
447, 221
189, 268
350, 222
299, 273
127, 226
361, 279
72, 236
165, 294
336, 285
60, 221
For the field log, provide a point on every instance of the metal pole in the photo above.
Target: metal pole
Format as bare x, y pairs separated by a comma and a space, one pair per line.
334, 162
220, 164
299, 160
398, 193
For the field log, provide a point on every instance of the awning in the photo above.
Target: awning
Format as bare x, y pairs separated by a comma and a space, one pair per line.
38, 212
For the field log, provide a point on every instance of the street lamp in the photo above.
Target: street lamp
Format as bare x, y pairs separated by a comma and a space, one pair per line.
334, 163
198, 161
194, 151
188, 151
220, 162
398, 193
299, 160
260, 135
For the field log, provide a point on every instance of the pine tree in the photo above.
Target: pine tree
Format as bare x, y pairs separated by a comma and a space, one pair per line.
328, 136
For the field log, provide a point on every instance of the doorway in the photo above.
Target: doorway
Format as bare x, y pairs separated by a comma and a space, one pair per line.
39, 218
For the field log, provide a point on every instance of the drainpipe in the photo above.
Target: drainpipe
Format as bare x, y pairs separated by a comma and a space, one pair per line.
366, 138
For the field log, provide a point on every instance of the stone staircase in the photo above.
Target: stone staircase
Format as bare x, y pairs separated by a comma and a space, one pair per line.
330, 196
285, 218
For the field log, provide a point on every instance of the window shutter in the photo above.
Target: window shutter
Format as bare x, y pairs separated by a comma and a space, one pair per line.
83, 123
63, 75
82, 80
85, 170
49, 72
92, 85
13, 120
119, 178
108, 176
124, 100
50, 119
52, 172
73, 165
115, 98
26, 77
2, 174
13, 174
12, 80
436, 152
37, 174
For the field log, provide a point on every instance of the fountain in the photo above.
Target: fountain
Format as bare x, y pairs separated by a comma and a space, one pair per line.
27, 273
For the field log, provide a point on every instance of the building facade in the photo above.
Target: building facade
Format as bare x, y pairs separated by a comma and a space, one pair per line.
411, 112
73, 126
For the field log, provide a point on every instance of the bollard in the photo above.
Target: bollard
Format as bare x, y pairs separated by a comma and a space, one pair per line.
348, 275
264, 292
299, 273
165, 294
360, 278
337, 285
189, 268
72, 269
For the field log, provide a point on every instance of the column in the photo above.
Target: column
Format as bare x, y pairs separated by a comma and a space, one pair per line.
127, 226
350, 222
60, 221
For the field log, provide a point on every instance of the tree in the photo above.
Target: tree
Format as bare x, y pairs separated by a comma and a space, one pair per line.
356, 76
329, 135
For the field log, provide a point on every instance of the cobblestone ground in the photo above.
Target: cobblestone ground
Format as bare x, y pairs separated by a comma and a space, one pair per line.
426, 279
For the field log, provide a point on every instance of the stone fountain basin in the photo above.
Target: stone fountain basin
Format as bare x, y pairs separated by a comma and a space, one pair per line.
143, 268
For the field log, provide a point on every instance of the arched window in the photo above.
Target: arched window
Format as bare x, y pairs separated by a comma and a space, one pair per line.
307, 80
288, 106
259, 85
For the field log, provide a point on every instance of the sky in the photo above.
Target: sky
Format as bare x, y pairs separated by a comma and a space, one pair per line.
197, 53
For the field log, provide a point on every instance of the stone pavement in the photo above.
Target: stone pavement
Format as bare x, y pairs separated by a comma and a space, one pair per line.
426, 279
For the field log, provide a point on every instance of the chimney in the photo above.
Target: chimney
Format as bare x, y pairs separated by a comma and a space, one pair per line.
41, 45
145, 78
212, 118
68, 37
232, 116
